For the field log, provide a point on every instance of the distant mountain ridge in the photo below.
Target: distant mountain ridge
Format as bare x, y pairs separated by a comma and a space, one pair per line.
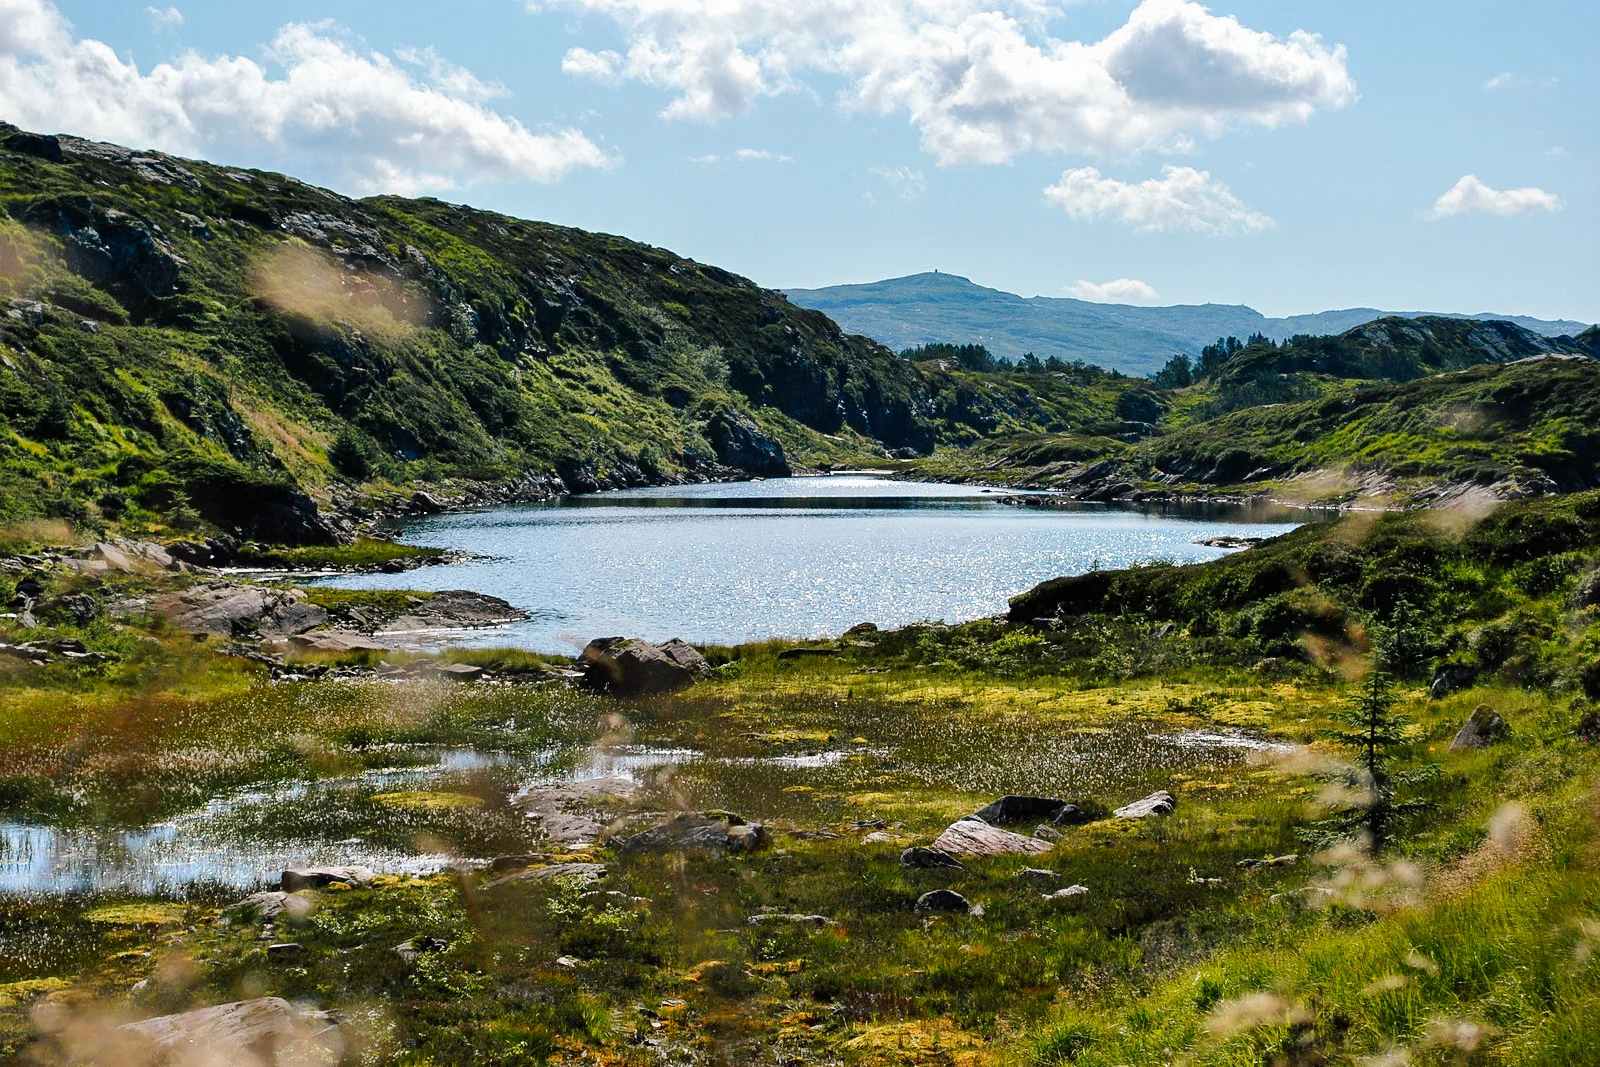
924, 308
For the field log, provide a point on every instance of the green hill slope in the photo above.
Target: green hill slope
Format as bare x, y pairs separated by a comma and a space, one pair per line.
180, 337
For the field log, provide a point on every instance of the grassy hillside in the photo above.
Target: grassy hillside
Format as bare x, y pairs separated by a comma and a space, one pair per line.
1367, 414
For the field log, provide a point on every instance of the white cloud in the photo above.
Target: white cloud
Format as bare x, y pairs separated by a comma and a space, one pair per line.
908, 182
1505, 80
419, 123
582, 63
706, 160
1121, 291
1470, 195
1181, 199
164, 18
981, 80
1557, 150
761, 155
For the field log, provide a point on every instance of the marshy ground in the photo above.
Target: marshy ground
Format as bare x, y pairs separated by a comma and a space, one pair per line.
145, 796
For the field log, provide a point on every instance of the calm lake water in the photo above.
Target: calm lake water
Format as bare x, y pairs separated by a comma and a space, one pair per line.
793, 557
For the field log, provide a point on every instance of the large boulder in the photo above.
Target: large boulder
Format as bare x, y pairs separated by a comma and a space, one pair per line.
919, 858
298, 878
1483, 728
634, 667
576, 813
1156, 804
946, 900
221, 608
1017, 809
265, 1030
973, 837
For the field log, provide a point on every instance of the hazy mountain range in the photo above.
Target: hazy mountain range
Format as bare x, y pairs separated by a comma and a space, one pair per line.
922, 308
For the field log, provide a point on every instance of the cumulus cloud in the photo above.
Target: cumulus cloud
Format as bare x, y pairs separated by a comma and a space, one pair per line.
164, 18
1120, 291
1470, 195
1181, 199
761, 155
981, 80
393, 124
908, 182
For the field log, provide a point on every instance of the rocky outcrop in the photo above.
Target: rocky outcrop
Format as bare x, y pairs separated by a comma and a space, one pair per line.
920, 858
1018, 809
974, 837
453, 609
222, 609
634, 667
740, 443
265, 1030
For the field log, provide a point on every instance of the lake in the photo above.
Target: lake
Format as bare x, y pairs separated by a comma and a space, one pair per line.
792, 557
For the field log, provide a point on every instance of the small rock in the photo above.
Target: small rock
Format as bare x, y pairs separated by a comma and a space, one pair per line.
426, 503
879, 837
692, 833
1156, 804
863, 628
789, 920
1271, 861
1047, 833
944, 900
1483, 728
417, 946
317, 877
919, 858
1072, 815
1037, 874
460, 672
286, 950
567, 961
1068, 893
270, 905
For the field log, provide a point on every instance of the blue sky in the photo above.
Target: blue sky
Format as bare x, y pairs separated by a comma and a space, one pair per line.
1292, 156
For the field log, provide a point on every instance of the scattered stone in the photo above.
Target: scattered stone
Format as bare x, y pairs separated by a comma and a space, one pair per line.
459, 672
266, 1030
83, 608
695, 833
567, 961
293, 617
638, 668
1047, 833
286, 950
813, 835
1037, 874
1483, 728
869, 824
299, 878
418, 946
587, 874
500, 864
1016, 809
1068, 893
765, 919
131, 557
923, 859
945, 900
879, 837
426, 503
970, 837
1271, 861
1450, 678
862, 628
1156, 804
